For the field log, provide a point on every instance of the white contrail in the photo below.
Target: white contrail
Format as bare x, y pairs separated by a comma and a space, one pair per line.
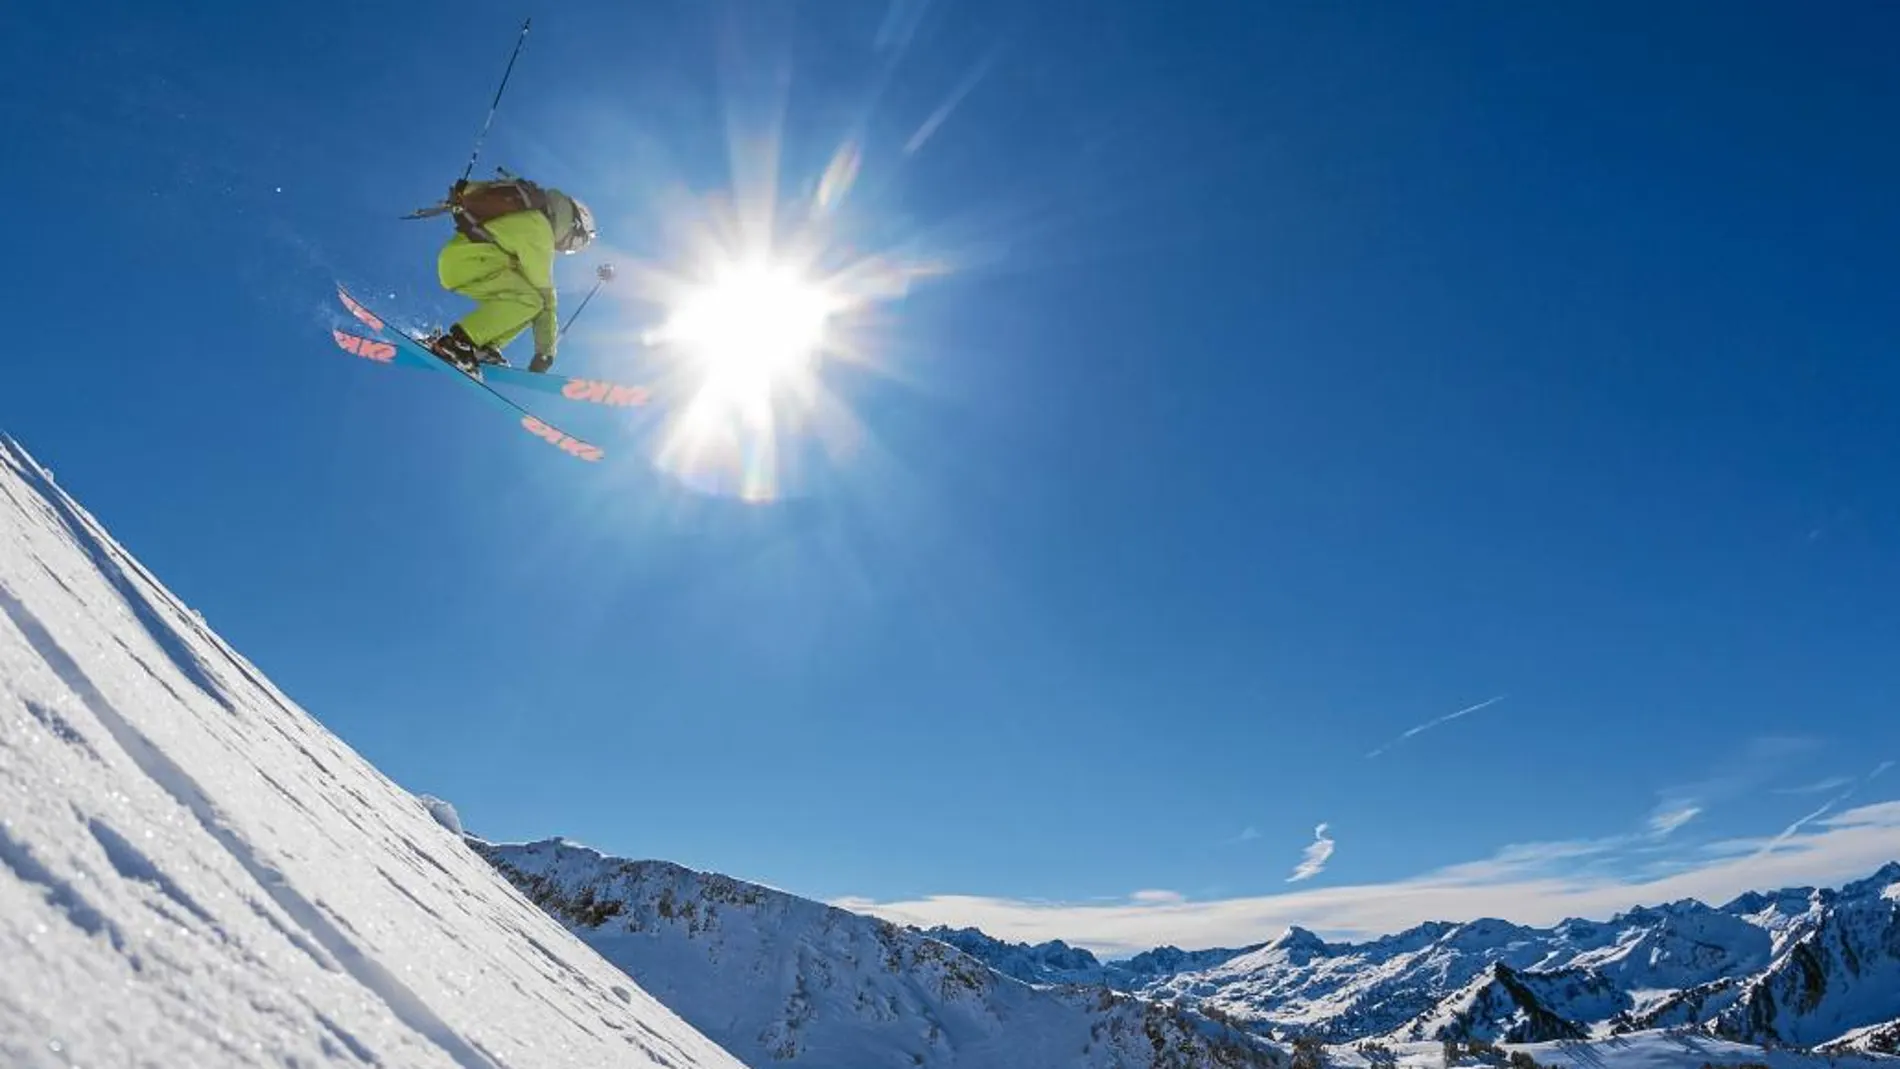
1826, 807
956, 97
1430, 724
1789, 832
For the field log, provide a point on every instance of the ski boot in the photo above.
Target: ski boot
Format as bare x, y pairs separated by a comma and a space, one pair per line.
456, 347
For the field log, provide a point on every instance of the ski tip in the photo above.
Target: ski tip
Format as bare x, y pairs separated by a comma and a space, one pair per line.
368, 348
562, 440
369, 318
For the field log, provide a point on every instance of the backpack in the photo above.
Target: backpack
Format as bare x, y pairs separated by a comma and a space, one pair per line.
475, 203
478, 202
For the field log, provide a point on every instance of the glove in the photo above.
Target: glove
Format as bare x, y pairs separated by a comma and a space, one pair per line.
541, 362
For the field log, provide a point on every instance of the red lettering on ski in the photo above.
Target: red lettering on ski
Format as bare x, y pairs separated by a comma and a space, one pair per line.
567, 443
368, 348
599, 392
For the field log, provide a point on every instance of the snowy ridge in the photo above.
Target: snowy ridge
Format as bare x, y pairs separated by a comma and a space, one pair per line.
1836, 971
1800, 966
1649, 1050
193, 872
1056, 962
1053, 962
1881, 1038
776, 978
1504, 1005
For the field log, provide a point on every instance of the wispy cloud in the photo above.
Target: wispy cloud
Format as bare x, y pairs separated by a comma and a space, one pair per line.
1318, 852
1739, 773
1667, 820
1247, 834
1430, 724
1522, 861
1879, 768
1832, 783
1524, 883
1158, 898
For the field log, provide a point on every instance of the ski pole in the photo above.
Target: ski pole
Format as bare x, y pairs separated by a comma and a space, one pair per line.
496, 103
603, 275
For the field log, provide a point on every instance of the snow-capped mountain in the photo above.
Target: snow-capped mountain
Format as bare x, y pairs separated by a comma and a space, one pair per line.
1836, 969
1151, 965
776, 978
193, 872
1056, 962
1300, 983
1053, 962
1505, 1005
1798, 966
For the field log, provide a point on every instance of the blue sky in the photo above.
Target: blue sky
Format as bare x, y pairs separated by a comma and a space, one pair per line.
1302, 374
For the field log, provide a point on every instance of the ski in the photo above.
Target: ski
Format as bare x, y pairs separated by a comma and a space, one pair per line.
586, 391
395, 346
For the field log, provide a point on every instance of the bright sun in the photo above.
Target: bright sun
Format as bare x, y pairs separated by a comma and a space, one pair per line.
747, 338
759, 299
748, 330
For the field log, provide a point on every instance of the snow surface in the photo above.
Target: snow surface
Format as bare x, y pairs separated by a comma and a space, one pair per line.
443, 812
193, 872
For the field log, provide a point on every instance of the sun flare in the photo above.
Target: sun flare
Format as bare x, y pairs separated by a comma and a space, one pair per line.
766, 307
748, 330
747, 338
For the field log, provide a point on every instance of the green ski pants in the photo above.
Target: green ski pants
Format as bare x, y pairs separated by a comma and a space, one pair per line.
507, 303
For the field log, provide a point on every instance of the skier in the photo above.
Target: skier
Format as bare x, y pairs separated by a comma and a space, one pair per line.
502, 257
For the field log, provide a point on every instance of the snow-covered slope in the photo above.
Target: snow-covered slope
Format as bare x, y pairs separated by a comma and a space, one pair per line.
1796, 966
193, 872
777, 978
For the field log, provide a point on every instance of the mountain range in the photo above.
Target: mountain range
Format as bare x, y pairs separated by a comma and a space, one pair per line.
773, 977
1801, 966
